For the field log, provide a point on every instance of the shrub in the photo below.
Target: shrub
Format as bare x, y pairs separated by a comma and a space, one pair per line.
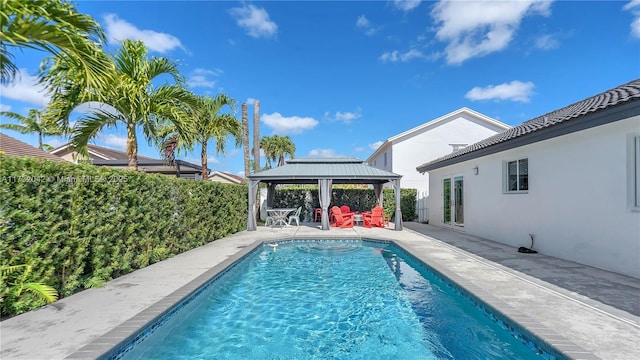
75, 224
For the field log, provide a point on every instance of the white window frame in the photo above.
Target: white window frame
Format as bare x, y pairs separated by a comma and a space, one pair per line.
505, 176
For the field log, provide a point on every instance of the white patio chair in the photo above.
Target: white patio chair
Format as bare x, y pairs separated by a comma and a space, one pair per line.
296, 216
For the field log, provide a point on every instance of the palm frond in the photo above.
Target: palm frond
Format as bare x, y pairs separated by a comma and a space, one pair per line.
94, 282
42, 291
6, 270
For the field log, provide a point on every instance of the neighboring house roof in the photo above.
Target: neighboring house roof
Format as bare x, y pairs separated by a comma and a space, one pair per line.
96, 151
433, 123
104, 156
155, 166
619, 103
340, 170
227, 176
13, 147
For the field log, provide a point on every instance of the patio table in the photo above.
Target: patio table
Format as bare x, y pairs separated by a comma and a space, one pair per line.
279, 215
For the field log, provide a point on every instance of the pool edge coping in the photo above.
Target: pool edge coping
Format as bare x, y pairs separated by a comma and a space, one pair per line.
109, 344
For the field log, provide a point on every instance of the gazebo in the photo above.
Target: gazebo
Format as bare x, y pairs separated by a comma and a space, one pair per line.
325, 172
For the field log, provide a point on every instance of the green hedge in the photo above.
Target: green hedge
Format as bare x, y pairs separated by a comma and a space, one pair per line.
358, 199
71, 223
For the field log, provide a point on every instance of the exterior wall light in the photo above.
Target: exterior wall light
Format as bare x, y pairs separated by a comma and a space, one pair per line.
475, 170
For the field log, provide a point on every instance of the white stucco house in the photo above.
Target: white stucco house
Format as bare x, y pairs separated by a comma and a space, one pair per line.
225, 177
449, 133
570, 179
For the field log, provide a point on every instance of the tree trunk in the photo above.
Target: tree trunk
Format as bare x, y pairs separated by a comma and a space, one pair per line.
40, 141
132, 147
256, 136
203, 158
245, 139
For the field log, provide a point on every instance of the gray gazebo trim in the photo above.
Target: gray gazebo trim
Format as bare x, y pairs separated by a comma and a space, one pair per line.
325, 172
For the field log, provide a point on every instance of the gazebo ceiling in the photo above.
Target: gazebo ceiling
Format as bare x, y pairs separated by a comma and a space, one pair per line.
310, 170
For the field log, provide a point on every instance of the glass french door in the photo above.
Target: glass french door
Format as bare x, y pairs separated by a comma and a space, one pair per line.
452, 200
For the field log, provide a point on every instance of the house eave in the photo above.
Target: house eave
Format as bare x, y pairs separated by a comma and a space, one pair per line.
617, 113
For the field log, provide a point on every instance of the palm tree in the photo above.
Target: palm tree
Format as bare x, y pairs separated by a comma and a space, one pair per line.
33, 123
130, 96
54, 26
207, 123
276, 147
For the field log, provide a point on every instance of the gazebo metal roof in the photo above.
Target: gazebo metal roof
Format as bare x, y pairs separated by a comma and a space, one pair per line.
324, 172
310, 170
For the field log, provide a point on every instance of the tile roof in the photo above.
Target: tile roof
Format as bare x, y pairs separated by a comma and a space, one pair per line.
101, 151
623, 94
13, 147
229, 176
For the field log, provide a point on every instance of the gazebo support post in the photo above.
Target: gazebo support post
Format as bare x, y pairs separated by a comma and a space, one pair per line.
251, 214
398, 222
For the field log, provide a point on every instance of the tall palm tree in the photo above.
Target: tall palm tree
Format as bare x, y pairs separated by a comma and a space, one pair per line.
130, 96
34, 122
276, 147
208, 123
54, 26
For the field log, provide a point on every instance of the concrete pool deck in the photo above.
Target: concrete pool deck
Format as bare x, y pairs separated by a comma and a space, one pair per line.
585, 312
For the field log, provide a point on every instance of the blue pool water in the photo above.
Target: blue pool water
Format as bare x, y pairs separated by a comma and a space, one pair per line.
331, 300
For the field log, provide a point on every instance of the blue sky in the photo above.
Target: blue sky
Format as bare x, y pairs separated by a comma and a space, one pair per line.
340, 77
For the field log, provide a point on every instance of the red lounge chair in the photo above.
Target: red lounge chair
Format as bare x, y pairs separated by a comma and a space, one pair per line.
345, 209
374, 218
341, 220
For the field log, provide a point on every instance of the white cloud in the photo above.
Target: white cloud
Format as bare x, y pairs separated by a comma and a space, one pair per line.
288, 125
477, 28
375, 145
251, 101
346, 116
115, 140
323, 153
406, 5
118, 30
365, 25
359, 149
547, 42
202, 78
396, 56
4, 107
363, 22
515, 91
25, 88
255, 21
634, 7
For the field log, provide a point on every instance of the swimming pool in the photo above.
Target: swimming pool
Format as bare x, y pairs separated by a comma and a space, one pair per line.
330, 300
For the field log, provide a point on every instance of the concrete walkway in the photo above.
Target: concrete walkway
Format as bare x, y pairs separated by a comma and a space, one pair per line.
585, 312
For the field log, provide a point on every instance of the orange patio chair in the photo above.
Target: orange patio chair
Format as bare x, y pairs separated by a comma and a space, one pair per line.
341, 220
374, 218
